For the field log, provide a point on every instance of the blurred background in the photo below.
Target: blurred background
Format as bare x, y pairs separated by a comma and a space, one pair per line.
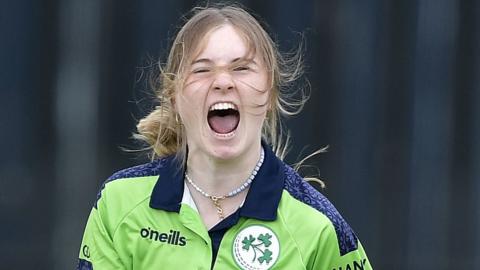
395, 93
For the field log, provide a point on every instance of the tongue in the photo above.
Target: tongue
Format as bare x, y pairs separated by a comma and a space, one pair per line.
223, 124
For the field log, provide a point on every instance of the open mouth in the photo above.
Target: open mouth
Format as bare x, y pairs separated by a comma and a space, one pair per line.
223, 117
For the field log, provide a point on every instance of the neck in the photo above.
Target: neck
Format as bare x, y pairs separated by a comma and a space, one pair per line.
219, 176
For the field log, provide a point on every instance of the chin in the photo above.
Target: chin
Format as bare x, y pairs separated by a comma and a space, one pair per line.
232, 150
226, 149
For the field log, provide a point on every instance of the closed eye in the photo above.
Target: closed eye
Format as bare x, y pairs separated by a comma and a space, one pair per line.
241, 68
201, 70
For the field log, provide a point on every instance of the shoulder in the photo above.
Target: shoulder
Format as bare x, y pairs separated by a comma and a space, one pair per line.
307, 195
134, 183
147, 169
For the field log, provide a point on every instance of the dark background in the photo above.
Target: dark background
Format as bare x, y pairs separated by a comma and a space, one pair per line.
395, 93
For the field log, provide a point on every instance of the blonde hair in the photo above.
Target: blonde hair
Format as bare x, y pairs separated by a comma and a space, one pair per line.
161, 129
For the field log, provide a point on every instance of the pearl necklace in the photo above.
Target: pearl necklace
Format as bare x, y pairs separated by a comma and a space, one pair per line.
216, 199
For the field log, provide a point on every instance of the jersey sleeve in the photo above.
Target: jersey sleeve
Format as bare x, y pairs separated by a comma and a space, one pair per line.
329, 256
97, 250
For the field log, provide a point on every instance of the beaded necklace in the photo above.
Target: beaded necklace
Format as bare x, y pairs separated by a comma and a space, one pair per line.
216, 199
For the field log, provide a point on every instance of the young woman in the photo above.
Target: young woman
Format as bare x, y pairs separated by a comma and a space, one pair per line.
215, 195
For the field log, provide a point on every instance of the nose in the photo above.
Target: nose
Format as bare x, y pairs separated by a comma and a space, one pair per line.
223, 81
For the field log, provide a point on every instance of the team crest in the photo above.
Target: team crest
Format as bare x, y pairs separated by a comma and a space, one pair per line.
256, 247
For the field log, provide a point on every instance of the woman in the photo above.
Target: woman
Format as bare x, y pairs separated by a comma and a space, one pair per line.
215, 195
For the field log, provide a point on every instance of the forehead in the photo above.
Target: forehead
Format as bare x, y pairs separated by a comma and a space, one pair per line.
223, 44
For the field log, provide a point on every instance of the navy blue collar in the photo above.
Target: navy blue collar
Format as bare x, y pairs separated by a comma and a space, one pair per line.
262, 199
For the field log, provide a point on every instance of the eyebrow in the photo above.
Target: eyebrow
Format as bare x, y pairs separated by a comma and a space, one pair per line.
202, 60
209, 61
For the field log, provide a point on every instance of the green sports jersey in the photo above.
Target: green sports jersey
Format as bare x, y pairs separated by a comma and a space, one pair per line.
145, 218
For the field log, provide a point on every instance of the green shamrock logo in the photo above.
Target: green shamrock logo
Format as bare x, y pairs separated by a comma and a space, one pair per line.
260, 246
265, 238
247, 242
266, 257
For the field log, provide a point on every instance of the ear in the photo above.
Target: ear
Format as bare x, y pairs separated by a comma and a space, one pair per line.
173, 102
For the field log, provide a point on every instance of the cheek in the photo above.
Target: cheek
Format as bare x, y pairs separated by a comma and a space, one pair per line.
190, 104
192, 96
255, 93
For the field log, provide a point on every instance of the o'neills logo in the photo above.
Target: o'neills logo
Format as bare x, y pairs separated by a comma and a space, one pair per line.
172, 238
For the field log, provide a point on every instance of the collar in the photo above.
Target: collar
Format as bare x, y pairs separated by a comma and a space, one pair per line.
265, 190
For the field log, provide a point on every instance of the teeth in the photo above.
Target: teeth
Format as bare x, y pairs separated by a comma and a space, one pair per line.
222, 106
228, 135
